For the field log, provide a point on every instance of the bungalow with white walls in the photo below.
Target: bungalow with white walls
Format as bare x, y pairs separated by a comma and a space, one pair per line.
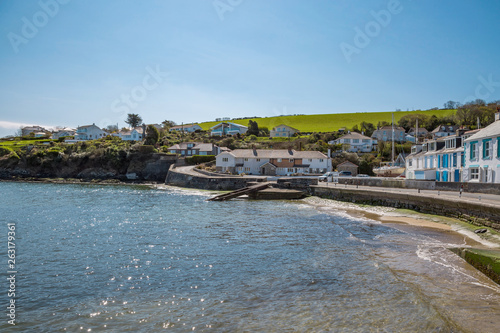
444, 130
135, 134
189, 128
89, 132
63, 132
356, 143
283, 131
194, 148
279, 162
482, 154
227, 128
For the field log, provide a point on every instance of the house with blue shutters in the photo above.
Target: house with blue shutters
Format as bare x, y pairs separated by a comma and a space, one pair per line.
482, 155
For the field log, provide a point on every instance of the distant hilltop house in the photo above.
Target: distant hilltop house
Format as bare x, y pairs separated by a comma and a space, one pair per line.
89, 132
273, 162
356, 143
135, 134
194, 148
189, 128
283, 131
384, 133
63, 132
227, 128
444, 130
37, 131
422, 132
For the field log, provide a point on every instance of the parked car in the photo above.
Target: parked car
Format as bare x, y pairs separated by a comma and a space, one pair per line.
345, 174
362, 175
329, 177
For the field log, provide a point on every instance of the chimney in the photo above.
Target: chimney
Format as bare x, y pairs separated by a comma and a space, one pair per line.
497, 115
329, 153
254, 150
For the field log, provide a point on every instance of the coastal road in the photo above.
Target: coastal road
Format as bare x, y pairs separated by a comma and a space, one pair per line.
491, 199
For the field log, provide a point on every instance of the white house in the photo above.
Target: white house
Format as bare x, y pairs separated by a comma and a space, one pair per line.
283, 131
63, 132
189, 128
227, 128
89, 132
273, 162
194, 148
355, 142
444, 130
33, 129
482, 154
134, 134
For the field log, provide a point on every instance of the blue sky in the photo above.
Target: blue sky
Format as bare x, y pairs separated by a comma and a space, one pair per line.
70, 63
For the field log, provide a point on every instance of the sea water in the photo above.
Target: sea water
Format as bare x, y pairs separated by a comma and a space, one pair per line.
93, 258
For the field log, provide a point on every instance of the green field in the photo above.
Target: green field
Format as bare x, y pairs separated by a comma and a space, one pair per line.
329, 122
18, 144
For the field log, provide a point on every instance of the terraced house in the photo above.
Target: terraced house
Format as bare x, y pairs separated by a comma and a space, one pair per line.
482, 154
279, 162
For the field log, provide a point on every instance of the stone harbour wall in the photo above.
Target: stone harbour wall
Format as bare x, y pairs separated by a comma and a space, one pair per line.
479, 214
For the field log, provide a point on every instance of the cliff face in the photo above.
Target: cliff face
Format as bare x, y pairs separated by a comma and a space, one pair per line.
106, 164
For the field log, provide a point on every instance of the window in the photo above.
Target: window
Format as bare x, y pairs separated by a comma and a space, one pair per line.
246, 159
347, 140
290, 169
450, 144
321, 160
225, 159
310, 160
498, 147
279, 159
355, 140
290, 160
487, 149
454, 160
258, 160
410, 162
474, 173
247, 169
473, 150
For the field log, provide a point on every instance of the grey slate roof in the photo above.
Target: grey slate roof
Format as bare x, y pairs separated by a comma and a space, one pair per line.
487, 132
276, 153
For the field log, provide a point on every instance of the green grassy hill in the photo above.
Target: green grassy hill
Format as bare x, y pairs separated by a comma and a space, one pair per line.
329, 122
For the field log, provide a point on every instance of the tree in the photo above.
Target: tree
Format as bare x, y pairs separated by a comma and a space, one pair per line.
168, 123
152, 135
133, 120
451, 105
112, 128
253, 128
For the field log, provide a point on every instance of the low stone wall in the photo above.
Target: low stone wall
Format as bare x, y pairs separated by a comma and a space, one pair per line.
296, 183
176, 178
423, 184
479, 214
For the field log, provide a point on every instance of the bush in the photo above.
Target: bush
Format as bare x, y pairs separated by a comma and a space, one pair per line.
5, 151
197, 159
145, 149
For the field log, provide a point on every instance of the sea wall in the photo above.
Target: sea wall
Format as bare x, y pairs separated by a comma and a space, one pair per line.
480, 214
423, 184
201, 181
